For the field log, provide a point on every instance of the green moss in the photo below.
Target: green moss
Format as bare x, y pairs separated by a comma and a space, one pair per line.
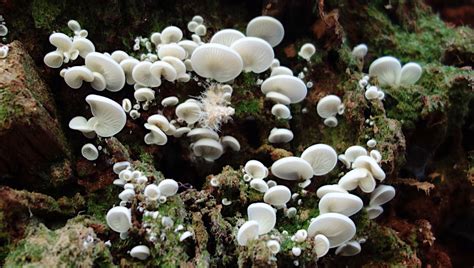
8, 108
248, 107
45, 12
98, 203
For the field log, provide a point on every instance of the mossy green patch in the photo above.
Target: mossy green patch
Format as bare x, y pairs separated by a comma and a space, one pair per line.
8, 107
248, 107
45, 12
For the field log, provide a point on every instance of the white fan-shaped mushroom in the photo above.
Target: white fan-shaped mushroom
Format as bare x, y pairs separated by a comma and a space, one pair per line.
90, 152
119, 55
374, 211
127, 66
201, 30
358, 177
74, 76
307, 51
277, 195
277, 97
119, 219
201, 133
168, 187
410, 73
209, 149
359, 51
332, 188
292, 168
54, 59
267, 28
273, 246
142, 75
169, 101
156, 136
321, 157
257, 55
280, 135
281, 111
83, 45
226, 37
188, 46
343, 203
337, 228
387, 70
288, 85
163, 69
247, 232
111, 71
159, 121
140, 252
109, 115
144, 94
177, 64
173, 50
351, 248
329, 106
171, 34
217, 62
281, 70
353, 152
119, 166
189, 112
259, 185
321, 245
255, 169
381, 195
81, 124
61, 41
264, 215
152, 192
230, 142
370, 164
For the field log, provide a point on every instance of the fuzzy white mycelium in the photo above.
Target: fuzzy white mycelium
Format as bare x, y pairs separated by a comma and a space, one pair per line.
165, 57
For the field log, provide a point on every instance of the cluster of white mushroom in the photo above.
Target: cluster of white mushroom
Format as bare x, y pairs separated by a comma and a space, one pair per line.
389, 72
135, 183
328, 107
307, 51
196, 26
371, 92
3, 32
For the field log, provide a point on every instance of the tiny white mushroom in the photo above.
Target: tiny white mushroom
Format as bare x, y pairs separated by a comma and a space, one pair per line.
321, 157
273, 246
376, 155
152, 192
90, 152
119, 166
126, 105
281, 111
321, 245
209, 149
259, 185
169, 101
277, 97
247, 232
281, 70
140, 252
189, 112
230, 142
257, 55
292, 168
332, 188
288, 85
329, 106
280, 135
171, 34
381, 195
358, 177
337, 228
370, 164
264, 215
109, 115
168, 187
307, 51
256, 169
343, 203
353, 152
374, 211
74, 76
359, 51
278, 195
119, 219
267, 28
226, 37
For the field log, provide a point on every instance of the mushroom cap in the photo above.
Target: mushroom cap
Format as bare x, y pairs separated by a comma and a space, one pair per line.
332, 188
247, 232
75, 75
358, 177
83, 45
61, 41
81, 124
140, 252
277, 97
374, 211
376, 155
372, 93
410, 73
359, 51
387, 70
370, 164
267, 28
280, 135
99, 82
144, 94
321, 157
200, 30
209, 149
156, 136
381, 195
107, 67
351, 248
353, 152
264, 215
177, 64
119, 166
288, 85
343, 203
159, 121
256, 169
185, 235
328, 106
90, 152
163, 69
119, 55
188, 46
119, 219
192, 25
273, 246
152, 192
198, 19
230, 142
337, 228
226, 37
127, 66
259, 185
331, 121
171, 34
173, 50
321, 245
127, 194
155, 38
292, 168
257, 55
216, 61
109, 115
344, 160
189, 112
169, 101
281, 70
306, 51
168, 187
201, 133
74, 25
281, 111
53, 59
277, 195
142, 75
181, 131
